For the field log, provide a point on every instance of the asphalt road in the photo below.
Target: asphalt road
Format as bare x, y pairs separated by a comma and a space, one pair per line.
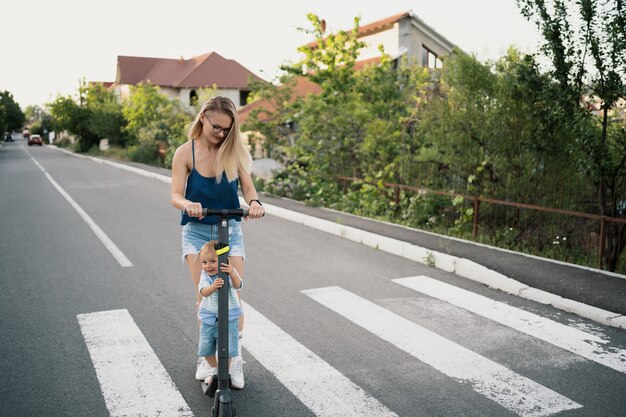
329, 332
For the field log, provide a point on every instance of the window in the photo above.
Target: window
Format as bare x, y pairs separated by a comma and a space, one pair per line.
430, 59
193, 98
243, 97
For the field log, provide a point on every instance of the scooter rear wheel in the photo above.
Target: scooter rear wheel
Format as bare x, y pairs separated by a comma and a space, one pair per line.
224, 410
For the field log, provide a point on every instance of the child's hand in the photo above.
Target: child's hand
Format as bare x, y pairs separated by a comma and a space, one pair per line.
218, 283
226, 267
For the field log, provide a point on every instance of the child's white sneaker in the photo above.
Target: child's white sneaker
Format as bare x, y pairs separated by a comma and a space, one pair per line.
236, 372
212, 373
203, 370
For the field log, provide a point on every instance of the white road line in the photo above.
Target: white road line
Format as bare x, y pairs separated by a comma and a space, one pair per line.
577, 341
106, 241
132, 379
514, 392
322, 388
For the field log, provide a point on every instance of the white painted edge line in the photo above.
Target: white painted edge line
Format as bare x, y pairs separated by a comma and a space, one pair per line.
320, 387
459, 266
128, 168
132, 379
490, 379
585, 344
106, 241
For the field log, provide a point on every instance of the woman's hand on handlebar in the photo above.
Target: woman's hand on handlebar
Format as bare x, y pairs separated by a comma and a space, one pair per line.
193, 209
256, 211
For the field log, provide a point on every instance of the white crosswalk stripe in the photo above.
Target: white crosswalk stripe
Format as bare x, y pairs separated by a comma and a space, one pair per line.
577, 341
322, 388
514, 392
132, 379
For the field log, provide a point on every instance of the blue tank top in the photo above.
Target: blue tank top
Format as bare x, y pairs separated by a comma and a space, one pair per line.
209, 193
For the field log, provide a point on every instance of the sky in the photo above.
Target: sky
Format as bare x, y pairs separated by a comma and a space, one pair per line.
47, 46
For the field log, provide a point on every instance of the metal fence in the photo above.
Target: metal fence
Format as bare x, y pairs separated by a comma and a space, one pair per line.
566, 235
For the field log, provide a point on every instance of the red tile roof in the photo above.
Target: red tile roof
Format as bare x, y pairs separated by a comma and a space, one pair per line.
105, 84
200, 71
302, 87
374, 27
380, 25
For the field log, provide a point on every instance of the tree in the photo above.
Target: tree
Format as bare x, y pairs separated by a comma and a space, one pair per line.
274, 124
330, 62
106, 119
73, 117
11, 115
586, 43
144, 106
152, 118
39, 120
358, 125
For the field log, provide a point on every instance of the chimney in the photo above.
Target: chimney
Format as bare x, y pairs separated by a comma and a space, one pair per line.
180, 59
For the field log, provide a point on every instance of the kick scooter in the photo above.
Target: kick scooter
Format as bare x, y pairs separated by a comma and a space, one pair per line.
220, 389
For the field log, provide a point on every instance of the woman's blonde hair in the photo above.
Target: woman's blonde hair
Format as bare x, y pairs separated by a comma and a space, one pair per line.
232, 154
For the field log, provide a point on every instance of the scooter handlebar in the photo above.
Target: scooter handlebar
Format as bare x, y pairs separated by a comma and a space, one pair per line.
225, 212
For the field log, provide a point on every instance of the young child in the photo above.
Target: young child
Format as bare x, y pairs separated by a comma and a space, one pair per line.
207, 313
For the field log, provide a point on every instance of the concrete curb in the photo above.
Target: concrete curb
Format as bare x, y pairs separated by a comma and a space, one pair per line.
459, 266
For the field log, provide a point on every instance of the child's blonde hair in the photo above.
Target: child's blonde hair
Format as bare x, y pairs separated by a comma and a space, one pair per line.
209, 248
232, 154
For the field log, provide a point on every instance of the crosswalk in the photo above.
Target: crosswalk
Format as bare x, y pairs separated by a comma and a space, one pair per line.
512, 391
121, 356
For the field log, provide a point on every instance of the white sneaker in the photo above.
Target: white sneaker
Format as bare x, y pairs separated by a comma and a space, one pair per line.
236, 372
203, 370
212, 374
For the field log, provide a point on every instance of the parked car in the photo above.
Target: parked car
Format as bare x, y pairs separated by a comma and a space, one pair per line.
8, 137
35, 140
26, 133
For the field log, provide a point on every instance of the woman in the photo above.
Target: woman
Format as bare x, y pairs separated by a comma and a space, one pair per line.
206, 172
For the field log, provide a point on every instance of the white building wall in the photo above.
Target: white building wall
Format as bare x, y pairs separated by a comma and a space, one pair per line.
406, 37
415, 38
232, 94
388, 39
182, 94
171, 92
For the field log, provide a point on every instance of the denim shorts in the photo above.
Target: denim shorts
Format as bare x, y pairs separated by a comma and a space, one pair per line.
195, 235
207, 344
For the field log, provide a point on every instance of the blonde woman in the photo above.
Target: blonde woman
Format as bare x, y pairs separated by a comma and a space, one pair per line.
206, 172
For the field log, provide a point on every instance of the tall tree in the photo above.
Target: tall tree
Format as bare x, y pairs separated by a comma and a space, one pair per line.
153, 120
273, 125
11, 115
106, 118
71, 116
586, 43
39, 119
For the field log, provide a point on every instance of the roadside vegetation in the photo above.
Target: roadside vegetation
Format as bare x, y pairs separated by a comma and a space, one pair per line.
412, 145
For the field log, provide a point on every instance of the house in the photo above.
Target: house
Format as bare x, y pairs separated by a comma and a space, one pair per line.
181, 78
401, 35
